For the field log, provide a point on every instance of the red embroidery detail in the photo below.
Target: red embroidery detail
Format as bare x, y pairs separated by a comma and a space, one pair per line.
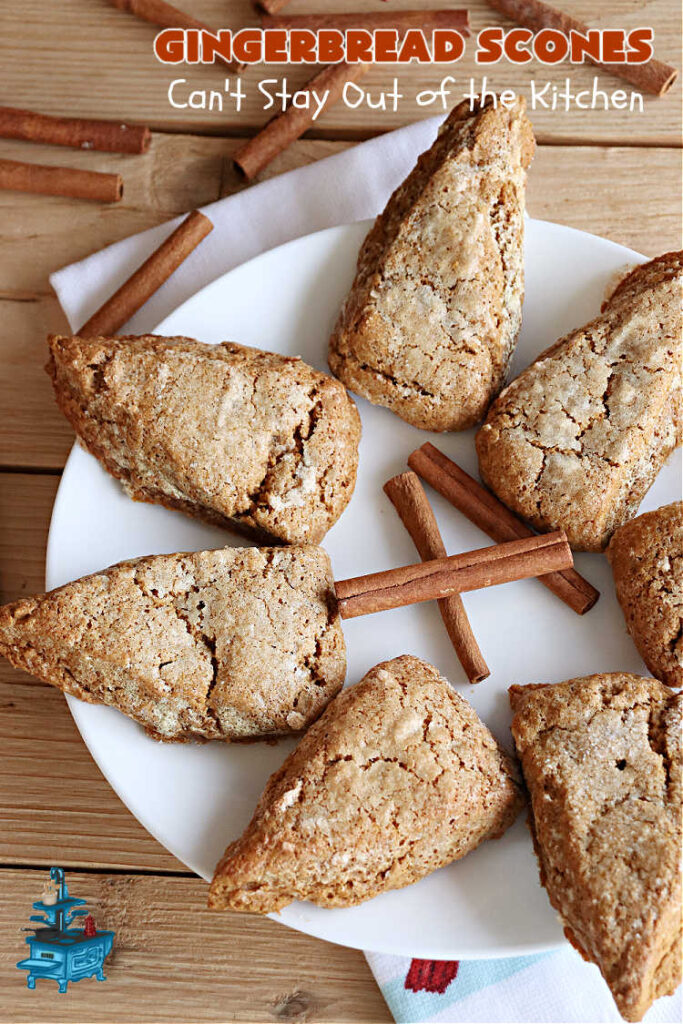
431, 975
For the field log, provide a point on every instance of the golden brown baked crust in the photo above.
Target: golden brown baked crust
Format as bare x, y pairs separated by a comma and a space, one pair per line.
601, 757
397, 778
230, 644
239, 437
577, 439
435, 309
646, 556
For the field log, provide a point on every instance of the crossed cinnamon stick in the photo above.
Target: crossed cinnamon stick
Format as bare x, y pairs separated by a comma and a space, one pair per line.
408, 497
455, 574
490, 515
495, 519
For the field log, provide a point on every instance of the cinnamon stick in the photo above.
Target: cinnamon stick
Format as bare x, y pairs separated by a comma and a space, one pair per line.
60, 181
654, 77
441, 577
158, 12
371, 20
488, 513
148, 278
285, 128
270, 6
77, 132
410, 501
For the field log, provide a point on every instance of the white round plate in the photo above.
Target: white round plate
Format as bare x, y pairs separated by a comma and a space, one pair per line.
197, 798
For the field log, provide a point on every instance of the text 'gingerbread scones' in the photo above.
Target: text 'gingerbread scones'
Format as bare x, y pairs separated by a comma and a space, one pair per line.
230, 644
397, 778
577, 439
646, 556
242, 438
601, 757
435, 309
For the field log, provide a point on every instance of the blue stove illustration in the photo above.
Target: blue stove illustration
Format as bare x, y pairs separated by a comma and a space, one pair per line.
59, 951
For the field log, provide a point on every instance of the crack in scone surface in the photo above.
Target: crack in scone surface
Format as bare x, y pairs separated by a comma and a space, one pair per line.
381, 761
574, 442
242, 437
601, 757
434, 311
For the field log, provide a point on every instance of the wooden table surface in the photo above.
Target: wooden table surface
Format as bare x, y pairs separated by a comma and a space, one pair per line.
613, 174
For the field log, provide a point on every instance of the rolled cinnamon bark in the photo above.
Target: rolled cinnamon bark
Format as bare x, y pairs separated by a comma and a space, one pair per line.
288, 126
158, 12
408, 497
488, 513
473, 570
148, 278
371, 20
270, 6
60, 181
653, 77
77, 132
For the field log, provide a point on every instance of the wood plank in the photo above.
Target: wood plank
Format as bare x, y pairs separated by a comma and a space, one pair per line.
33, 433
25, 505
39, 234
69, 814
623, 193
171, 952
106, 68
55, 805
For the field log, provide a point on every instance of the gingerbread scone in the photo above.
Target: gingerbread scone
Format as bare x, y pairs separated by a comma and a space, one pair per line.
397, 778
433, 314
242, 438
646, 556
237, 643
577, 439
601, 757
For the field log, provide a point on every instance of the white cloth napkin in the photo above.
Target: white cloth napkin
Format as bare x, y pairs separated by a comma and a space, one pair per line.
350, 186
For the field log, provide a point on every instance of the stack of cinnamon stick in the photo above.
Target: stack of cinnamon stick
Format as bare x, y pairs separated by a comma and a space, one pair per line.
78, 133
490, 515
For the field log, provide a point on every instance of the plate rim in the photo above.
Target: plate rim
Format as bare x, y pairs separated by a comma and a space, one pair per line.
76, 706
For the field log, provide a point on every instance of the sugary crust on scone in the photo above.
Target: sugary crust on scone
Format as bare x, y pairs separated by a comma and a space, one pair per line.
435, 309
601, 757
577, 439
236, 436
230, 644
646, 556
397, 778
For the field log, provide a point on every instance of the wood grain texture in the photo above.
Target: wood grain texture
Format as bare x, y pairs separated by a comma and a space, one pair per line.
66, 813
106, 68
33, 433
631, 198
25, 503
174, 960
69, 814
39, 234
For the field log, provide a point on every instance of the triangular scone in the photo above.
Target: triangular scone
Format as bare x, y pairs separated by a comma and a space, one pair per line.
239, 437
435, 309
230, 644
601, 758
397, 778
576, 440
646, 556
